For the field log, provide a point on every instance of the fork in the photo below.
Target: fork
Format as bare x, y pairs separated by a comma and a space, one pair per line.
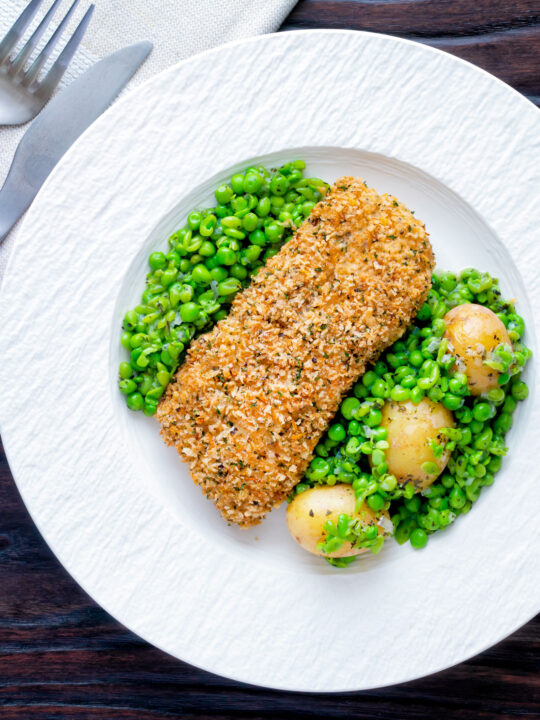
22, 94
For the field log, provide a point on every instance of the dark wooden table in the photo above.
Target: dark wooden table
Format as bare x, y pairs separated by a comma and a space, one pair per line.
61, 656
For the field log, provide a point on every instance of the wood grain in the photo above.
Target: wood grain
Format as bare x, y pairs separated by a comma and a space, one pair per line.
63, 657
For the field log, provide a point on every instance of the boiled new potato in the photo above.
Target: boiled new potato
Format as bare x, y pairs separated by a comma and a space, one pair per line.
473, 331
309, 511
411, 428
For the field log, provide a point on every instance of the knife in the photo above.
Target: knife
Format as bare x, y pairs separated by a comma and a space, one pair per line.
59, 124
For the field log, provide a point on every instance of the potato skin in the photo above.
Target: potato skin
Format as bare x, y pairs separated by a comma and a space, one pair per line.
474, 331
308, 512
410, 428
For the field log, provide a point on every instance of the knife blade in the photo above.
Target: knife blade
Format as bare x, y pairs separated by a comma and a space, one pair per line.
59, 124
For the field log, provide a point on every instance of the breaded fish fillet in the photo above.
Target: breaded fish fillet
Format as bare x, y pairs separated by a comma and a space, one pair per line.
255, 394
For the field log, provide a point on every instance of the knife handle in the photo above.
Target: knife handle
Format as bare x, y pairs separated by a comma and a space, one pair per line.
12, 207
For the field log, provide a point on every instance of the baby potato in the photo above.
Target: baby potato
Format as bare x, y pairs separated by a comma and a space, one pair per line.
410, 428
309, 511
473, 331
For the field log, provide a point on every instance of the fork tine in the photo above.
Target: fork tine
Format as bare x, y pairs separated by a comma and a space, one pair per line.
53, 77
14, 34
38, 63
33, 40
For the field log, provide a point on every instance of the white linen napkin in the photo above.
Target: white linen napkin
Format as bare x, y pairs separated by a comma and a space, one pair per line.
178, 29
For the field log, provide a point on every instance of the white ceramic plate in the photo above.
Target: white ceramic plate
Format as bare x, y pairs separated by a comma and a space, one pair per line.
118, 508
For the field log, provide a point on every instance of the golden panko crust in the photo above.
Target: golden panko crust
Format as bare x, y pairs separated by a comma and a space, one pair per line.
249, 404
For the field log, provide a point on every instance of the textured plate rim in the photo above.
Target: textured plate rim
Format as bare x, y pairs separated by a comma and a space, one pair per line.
116, 110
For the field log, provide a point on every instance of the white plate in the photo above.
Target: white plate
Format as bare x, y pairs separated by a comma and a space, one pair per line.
118, 508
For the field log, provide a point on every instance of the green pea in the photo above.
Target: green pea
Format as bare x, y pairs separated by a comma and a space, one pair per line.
252, 253
150, 407
418, 538
224, 194
375, 502
379, 389
218, 274
279, 184
220, 315
221, 210
456, 498
252, 183
509, 405
226, 256
430, 521
307, 207
229, 286
377, 457
447, 481
169, 276
337, 432
448, 281
430, 468
189, 311
404, 530
424, 313
348, 406
416, 395
194, 220
125, 340
157, 261
483, 441
127, 387
473, 491
138, 359
436, 394
263, 208
135, 401
185, 294
360, 391
249, 222
207, 249
131, 318
494, 465
231, 222
399, 394
379, 434
408, 381
353, 446
201, 274
257, 237
207, 225
520, 391
481, 411
389, 483
125, 371
237, 183
488, 479
369, 378
163, 377
451, 401
273, 232
464, 415
503, 423
374, 418
239, 271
